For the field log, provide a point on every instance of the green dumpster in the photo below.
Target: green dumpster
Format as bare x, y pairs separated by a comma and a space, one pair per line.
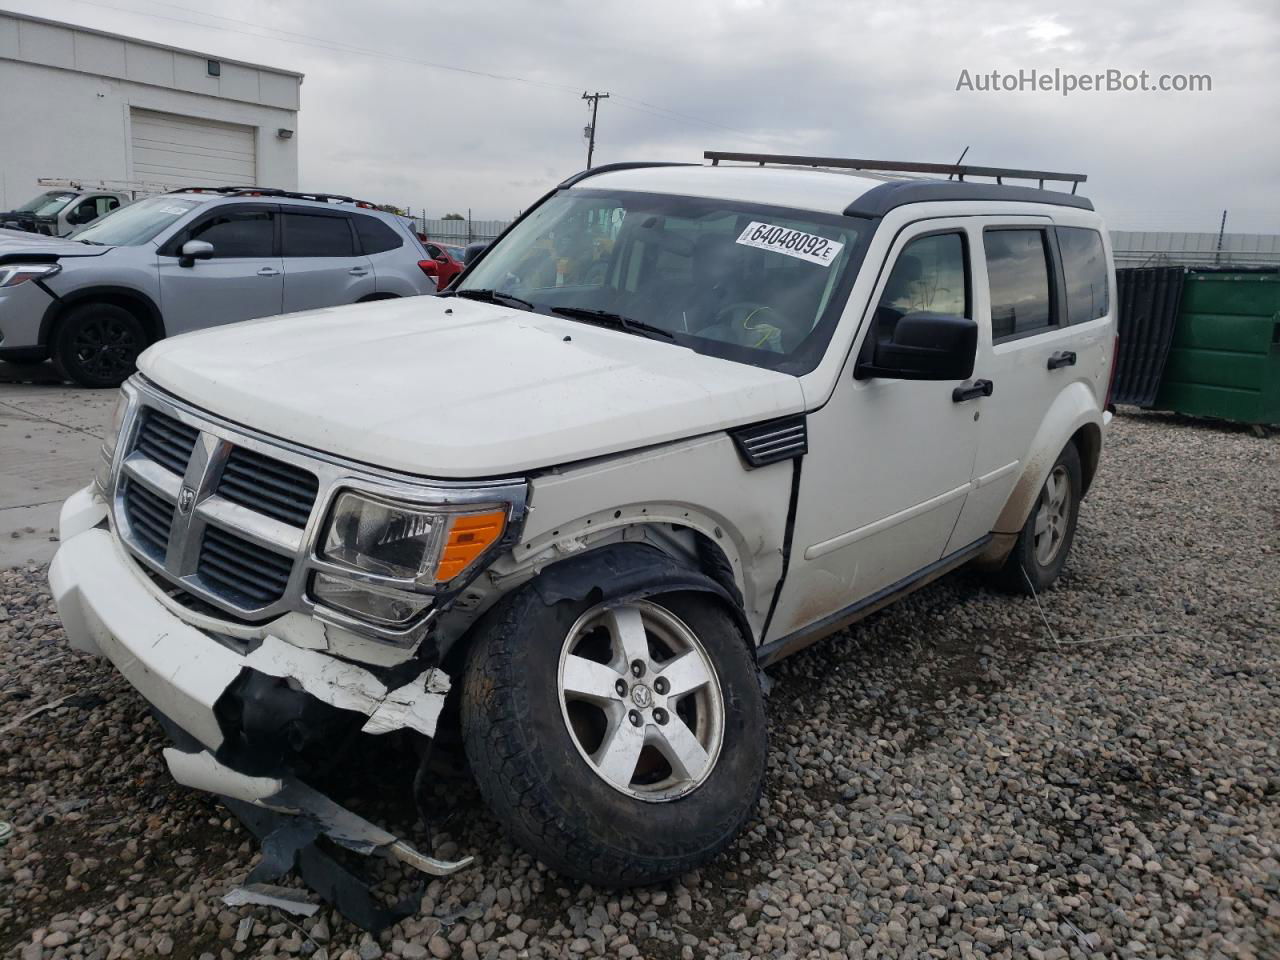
1224, 359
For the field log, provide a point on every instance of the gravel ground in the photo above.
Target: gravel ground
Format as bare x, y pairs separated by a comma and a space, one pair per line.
945, 779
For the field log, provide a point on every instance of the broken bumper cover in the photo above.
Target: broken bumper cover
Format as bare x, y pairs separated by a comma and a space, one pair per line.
287, 795
184, 673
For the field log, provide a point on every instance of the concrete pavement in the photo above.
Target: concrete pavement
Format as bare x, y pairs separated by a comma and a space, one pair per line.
50, 433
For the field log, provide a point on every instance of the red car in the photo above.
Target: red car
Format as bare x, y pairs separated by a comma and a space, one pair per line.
444, 265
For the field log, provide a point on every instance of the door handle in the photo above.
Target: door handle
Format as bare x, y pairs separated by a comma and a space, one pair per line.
970, 391
268, 272
358, 271
1063, 358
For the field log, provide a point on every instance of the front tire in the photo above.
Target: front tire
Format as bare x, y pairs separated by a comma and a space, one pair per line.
1041, 549
620, 745
97, 344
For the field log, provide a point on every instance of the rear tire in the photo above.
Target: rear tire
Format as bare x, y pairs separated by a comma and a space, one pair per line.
97, 344
1045, 539
529, 741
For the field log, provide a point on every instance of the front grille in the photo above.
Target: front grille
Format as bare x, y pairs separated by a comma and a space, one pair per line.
166, 441
202, 551
243, 572
150, 519
280, 490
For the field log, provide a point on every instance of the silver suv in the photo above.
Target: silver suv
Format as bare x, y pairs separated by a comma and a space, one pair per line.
194, 258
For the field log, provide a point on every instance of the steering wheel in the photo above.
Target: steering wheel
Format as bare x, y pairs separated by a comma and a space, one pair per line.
749, 324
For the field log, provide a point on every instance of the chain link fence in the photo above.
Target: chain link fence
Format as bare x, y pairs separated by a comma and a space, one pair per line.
458, 232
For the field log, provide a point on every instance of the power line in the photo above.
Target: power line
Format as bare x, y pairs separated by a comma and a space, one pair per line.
337, 46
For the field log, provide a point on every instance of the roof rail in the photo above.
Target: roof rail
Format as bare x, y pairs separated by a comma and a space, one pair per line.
275, 192
957, 170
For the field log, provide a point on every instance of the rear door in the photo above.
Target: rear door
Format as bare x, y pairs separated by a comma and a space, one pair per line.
1028, 347
322, 263
243, 280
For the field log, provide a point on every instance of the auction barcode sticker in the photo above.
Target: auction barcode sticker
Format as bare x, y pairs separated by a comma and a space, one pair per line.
794, 243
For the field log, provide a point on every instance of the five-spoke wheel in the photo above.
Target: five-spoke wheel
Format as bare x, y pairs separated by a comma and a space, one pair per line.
619, 741
640, 697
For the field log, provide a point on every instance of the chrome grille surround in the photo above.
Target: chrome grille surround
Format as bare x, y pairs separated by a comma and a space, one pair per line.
197, 487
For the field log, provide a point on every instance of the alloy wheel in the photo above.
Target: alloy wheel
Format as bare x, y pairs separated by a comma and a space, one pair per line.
641, 700
1053, 511
106, 347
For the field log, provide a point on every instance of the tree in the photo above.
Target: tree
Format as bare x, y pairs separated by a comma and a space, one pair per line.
453, 216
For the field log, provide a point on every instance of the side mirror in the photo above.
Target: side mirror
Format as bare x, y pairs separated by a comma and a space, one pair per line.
442, 259
194, 250
474, 250
429, 267
925, 346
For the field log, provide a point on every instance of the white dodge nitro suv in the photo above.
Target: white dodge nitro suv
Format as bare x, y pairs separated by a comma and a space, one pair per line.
678, 422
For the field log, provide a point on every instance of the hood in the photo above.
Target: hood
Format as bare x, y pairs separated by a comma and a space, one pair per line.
15, 244
452, 388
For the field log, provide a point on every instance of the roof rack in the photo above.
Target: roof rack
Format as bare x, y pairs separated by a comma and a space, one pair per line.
275, 192
957, 170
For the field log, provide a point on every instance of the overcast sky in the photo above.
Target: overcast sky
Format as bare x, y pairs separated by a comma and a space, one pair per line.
844, 78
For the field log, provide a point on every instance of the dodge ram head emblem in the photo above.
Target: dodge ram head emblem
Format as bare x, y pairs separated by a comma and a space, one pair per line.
186, 497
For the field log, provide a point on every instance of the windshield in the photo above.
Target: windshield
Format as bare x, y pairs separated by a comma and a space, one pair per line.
138, 222
761, 285
47, 204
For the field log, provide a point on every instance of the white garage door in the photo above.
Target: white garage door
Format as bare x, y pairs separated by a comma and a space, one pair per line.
189, 152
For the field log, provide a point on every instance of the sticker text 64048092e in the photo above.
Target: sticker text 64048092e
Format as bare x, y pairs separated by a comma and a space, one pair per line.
794, 243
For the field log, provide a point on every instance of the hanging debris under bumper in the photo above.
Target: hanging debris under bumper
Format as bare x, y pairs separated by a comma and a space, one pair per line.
248, 722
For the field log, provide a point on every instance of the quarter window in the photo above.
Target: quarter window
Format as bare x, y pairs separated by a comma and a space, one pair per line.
375, 236
241, 233
1018, 272
928, 276
1085, 265
310, 235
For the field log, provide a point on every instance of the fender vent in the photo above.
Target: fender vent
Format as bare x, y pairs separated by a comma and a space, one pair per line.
763, 443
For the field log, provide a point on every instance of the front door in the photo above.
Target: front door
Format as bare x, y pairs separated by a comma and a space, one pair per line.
322, 264
889, 461
243, 280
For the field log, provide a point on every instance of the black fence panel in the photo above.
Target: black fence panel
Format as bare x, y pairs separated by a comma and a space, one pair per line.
1149, 298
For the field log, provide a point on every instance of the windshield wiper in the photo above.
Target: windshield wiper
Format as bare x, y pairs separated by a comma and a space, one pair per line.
615, 321
490, 296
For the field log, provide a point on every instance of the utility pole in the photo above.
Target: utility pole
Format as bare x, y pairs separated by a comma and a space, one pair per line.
595, 99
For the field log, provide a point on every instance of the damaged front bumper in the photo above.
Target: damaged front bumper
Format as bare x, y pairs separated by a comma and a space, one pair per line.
240, 715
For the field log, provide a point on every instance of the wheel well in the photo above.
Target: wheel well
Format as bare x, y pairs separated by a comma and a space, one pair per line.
1088, 441
710, 561
136, 304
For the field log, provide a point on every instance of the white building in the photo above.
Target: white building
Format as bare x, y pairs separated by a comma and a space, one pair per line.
87, 105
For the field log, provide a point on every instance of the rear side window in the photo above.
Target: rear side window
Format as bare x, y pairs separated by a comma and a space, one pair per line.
241, 233
312, 235
1085, 266
376, 236
1018, 271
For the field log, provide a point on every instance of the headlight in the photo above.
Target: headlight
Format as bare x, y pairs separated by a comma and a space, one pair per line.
117, 422
399, 541
16, 273
107, 452
384, 607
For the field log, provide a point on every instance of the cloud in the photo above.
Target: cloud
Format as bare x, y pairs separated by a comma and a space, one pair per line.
846, 78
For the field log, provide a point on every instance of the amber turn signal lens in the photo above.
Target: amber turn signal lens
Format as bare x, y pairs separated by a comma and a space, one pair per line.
469, 536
